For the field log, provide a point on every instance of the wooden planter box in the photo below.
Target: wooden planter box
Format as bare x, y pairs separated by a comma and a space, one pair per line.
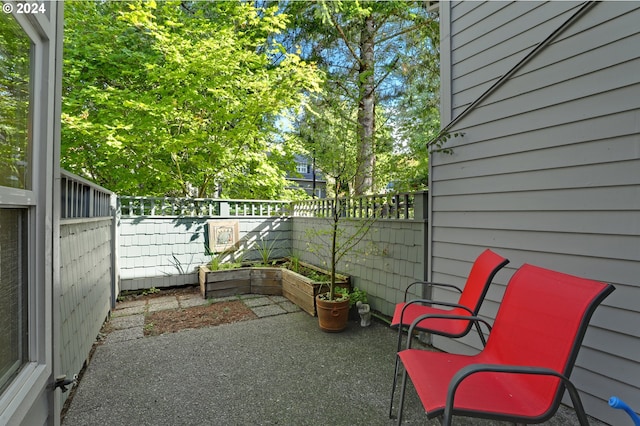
231, 282
302, 290
273, 281
266, 280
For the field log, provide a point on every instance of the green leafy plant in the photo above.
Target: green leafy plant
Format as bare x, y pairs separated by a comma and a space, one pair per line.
339, 294
266, 249
441, 139
357, 295
225, 260
328, 135
149, 291
199, 79
294, 263
215, 262
175, 261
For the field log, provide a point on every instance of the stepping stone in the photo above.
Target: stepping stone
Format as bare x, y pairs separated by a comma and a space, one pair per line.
134, 310
268, 311
191, 302
131, 304
259, 301
165, 306
121, 323
289, 306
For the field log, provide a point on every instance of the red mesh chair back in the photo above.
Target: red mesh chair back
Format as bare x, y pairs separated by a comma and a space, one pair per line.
485, 267
482, 272
541, 322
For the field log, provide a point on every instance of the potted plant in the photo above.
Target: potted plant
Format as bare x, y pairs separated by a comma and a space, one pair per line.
328, 136
333, 306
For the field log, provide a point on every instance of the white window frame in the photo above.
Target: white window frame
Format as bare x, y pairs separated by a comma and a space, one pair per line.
19, 398
302, 167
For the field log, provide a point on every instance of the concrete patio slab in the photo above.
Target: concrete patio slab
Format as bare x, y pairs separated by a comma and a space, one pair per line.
224, 299
274, 370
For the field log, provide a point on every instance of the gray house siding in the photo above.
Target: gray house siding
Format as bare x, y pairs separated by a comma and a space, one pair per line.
490, 39
548, 168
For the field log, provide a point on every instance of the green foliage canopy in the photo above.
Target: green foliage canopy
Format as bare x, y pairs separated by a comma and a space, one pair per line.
179, 98
382, 63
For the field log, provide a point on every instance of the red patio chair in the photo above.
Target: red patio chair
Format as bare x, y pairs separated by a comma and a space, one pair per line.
523, 370
436, 319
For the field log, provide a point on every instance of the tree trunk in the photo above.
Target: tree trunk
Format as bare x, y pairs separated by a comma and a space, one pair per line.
366, 109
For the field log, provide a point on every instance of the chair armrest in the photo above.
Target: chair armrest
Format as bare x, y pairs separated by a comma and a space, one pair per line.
444, 316
429, 283
432, 302
469, 370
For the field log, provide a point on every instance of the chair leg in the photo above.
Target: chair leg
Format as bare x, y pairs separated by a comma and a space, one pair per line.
395, 371
393, 388
402, 392
577, 403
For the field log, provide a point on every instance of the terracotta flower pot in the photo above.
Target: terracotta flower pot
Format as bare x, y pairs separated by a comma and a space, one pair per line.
332, 315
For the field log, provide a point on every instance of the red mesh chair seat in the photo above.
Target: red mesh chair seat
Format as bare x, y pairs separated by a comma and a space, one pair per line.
442, 326
502, 395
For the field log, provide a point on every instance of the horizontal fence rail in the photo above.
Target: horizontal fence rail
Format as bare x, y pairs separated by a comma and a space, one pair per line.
83, 199
386, 206
408, 206
199, 207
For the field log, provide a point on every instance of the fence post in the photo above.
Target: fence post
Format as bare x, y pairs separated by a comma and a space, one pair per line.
420, 205
115, 206
421, 213
225, 209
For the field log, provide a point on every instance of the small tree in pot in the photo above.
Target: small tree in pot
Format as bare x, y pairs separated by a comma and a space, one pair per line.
329, 139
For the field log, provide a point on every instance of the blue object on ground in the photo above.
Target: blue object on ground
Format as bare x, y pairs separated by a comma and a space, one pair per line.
616, 402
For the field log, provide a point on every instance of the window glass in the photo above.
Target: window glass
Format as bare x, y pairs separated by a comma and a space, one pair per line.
15, 129
13, 293
302, 168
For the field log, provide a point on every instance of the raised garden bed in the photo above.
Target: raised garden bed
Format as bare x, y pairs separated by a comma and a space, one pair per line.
276, 280
302, 290
245, 280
